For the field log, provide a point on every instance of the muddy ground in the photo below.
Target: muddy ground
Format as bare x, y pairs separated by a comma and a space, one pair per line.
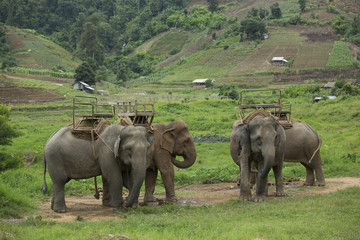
89, 208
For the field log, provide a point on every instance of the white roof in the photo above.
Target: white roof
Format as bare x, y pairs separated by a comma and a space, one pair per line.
200, 80
279, 59
84, 83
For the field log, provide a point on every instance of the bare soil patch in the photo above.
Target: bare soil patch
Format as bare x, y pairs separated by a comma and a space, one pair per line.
12, 94
89, 208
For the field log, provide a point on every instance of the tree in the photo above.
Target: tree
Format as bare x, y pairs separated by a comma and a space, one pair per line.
253, 12
340, 25
275, 11
89, 46
302, 4
213, 5
254, 27
7, 131
263, 13
85, 73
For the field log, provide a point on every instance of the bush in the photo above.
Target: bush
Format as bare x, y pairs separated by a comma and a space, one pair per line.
8, 161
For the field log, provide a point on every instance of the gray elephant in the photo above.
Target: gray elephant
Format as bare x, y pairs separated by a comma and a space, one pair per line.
302, 145
120, 158
170, 140
259, 144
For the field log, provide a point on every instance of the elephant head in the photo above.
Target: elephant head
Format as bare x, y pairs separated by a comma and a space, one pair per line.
177, 140
130, 148
267, 138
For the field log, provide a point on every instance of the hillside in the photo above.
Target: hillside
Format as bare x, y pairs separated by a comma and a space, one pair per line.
172, 59
35, 51
248, 63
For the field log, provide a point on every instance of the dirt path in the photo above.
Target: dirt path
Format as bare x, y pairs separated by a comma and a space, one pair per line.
89, 208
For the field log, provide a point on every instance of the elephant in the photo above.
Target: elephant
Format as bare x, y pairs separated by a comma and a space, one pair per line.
170, 140
302, 145
119, 155
258, 144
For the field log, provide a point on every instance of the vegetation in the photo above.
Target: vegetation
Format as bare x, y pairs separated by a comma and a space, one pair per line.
154, 49
341, 57
6, 59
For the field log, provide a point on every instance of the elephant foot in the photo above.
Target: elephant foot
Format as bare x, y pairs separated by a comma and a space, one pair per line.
320, 183
245, 197
60, 209
132, 205
172, 199
280, 194
106, 204
150, 199
259, 199
308, 184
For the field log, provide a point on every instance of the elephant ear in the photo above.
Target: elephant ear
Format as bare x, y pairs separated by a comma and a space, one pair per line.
168, 140
117, 147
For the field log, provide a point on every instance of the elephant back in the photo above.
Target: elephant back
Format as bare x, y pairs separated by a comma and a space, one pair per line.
89, 129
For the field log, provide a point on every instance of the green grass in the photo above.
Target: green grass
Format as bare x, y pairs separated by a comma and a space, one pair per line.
308, 217
340, 57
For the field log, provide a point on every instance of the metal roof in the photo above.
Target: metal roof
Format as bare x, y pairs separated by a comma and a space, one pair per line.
282, 59
200, 80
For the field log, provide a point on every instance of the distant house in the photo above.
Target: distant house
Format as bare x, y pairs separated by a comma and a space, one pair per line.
329, 85
83, 86
279, 60
202, 82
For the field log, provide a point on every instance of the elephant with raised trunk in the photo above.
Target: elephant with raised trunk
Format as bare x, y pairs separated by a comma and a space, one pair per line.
170, 140
259, 144
119, 155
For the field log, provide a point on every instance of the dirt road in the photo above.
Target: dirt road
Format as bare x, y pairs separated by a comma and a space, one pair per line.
89, 208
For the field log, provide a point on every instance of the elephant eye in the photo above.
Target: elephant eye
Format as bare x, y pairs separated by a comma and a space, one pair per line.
258, 140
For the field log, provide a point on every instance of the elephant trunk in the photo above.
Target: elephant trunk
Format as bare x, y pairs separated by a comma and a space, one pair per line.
189, 159
269, 160
138, 172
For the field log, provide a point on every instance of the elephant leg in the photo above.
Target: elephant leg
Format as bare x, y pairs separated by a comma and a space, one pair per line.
167, 175
260, 185
320, 179
310, 178
245, 186
106, 198
278, 181
150, 181
58, 200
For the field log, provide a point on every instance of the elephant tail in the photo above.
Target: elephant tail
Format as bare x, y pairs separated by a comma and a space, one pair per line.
44, 188
319, 145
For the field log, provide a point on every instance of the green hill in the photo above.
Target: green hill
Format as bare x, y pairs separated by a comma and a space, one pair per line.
37, 51
194, 45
